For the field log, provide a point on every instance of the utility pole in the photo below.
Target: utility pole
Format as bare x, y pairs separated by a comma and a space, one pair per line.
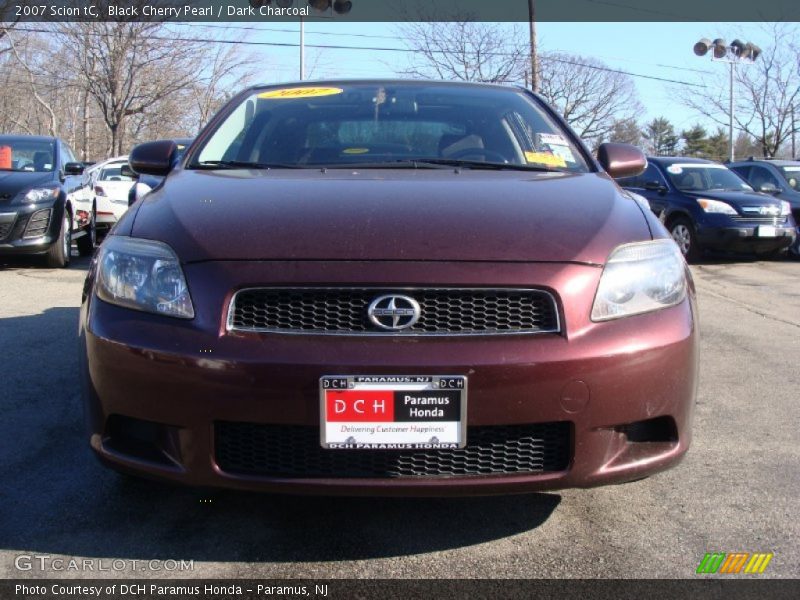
730, 114
794, 154
302, 49
534, 58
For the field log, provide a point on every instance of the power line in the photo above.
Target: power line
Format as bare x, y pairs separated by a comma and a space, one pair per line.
396, 37
372, 49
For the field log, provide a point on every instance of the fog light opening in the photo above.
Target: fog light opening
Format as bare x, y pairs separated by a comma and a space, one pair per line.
142, 440
660, 429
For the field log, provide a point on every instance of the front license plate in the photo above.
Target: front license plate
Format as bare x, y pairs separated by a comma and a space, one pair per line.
391, 412
766, 231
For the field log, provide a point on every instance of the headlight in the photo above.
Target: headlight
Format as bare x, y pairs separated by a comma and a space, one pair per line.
786, 208
39, 195
715, 206
640, 278
143, 275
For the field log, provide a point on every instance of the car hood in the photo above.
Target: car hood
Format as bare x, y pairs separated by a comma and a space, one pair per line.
738, 199
451, 215
13, 182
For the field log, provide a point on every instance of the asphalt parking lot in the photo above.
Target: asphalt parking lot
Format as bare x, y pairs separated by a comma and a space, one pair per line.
737, 490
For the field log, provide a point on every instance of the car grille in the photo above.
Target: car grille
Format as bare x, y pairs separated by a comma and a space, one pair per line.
294, 451
37, 224
759, 220
442, 311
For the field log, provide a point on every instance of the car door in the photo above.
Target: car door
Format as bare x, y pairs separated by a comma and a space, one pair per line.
653, 187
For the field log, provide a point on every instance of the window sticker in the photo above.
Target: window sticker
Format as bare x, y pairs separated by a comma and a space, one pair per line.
564, 152
5, 157
552, 139
355, 150
791, 169
674, 169
543, 158
301, 92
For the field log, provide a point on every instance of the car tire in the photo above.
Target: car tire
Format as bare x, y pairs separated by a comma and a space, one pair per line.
58, 255
682, 231
87, 243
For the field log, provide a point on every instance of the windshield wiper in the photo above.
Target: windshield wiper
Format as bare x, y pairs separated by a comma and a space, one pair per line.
240, 164
439, 163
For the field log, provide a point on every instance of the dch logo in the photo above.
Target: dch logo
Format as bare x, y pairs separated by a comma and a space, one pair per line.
353, 405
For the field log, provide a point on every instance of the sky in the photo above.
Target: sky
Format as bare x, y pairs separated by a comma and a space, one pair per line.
661, 50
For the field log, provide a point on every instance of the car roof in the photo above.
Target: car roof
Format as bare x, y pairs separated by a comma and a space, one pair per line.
682, 159
766, 161
33, 138
389, 81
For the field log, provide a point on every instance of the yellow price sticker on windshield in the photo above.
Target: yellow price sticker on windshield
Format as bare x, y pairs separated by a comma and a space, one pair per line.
355, 150
543, 158
301, 92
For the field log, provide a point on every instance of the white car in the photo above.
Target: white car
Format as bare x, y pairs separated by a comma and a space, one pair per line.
102, 198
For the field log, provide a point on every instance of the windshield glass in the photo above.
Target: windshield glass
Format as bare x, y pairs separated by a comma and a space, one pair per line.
113, 173
792, 176
701, 177
385, 124
21, 154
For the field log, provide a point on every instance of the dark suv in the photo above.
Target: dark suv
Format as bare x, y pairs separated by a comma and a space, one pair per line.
781, 178
36, 174
705, 205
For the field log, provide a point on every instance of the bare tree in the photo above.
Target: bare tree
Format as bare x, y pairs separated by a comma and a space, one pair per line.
591, 97
765, 92
465, 51
128, 67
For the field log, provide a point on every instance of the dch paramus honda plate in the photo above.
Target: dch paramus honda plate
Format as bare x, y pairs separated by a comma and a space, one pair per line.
389, 287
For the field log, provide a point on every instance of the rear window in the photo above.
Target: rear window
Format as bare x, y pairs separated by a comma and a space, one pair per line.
380, 124
113, 173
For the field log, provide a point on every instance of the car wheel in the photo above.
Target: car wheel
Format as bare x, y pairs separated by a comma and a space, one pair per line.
57, 256
87, 243
682, 232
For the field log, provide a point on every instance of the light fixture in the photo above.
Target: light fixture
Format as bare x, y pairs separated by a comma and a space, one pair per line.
702, 47
342, 6
720, 48
284, 3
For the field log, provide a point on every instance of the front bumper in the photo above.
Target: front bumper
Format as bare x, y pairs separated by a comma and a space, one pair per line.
29, 229
745, 237
189, 376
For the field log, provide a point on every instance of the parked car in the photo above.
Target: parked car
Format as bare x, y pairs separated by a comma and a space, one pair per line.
146, 183
36, 174
388, 287
103, 196
704, 205
780, 178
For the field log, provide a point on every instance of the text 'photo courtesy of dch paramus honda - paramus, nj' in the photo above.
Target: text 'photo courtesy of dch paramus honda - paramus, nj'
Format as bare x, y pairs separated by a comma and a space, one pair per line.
389, 287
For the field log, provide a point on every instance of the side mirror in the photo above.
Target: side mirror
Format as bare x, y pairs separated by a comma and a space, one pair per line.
126, 171
769, 188
621, 160
153, 158
73, 168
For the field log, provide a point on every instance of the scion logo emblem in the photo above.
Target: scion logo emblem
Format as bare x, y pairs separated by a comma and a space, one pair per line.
394, 313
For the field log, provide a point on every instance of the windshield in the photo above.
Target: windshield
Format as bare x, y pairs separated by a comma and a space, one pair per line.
380, 125
792, 176
702, 177
21, 154
113, 173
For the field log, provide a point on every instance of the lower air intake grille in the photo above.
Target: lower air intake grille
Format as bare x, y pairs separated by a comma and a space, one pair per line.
5, 229
293, 451
37, 224
443, 311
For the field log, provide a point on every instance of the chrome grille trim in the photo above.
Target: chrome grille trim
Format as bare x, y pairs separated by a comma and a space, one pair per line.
553, 305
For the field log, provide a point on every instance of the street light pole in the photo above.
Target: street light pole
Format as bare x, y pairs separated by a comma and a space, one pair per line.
730, 115
534, 58
737, 51
302, 49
